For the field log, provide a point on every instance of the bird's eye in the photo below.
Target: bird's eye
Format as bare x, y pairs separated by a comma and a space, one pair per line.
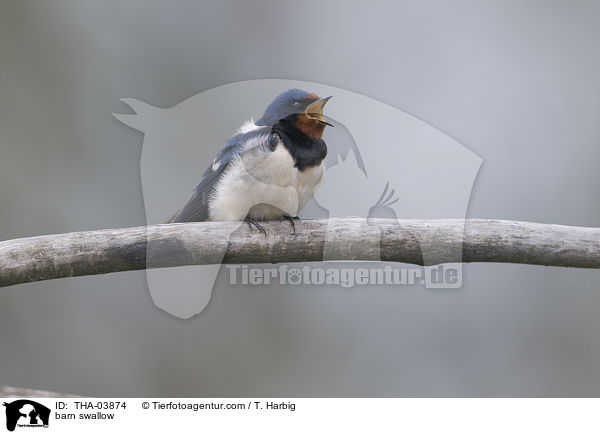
296, 104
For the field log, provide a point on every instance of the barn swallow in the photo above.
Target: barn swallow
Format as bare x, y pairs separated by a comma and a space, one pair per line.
268, 170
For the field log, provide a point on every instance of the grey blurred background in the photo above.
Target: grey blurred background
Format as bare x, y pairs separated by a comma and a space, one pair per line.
516, 82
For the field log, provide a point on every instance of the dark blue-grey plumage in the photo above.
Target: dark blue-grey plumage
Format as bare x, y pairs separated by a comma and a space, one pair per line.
196, 208
286, 104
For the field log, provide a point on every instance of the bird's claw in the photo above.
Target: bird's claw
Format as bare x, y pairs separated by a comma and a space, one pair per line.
292, 221
251, 222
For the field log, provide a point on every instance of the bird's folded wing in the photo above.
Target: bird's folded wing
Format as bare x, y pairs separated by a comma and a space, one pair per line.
196, 208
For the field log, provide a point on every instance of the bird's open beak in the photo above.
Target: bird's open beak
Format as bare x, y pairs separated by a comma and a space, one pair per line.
315, 110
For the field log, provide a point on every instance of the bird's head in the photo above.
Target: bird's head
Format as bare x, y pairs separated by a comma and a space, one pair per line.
302, 108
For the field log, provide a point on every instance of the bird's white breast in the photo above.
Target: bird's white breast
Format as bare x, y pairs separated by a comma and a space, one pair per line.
264, 185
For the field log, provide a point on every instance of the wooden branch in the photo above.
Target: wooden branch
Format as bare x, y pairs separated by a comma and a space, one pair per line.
17, 392
409, 241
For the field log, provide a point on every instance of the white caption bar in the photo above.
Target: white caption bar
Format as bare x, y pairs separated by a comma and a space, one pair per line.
91, 415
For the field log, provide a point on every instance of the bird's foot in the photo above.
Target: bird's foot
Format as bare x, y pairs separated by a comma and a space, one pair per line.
291, 220
251, 222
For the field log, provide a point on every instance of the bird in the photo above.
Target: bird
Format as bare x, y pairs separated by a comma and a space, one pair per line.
269, 169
